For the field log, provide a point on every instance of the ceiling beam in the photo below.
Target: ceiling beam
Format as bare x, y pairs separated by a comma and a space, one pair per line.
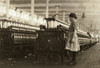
55, 1
43, 7
53, 9
79, 14
76, 10
90, 17
69, 11
61, 13
54, 4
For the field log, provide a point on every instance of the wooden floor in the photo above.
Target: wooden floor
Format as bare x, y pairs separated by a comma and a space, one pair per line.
88, 59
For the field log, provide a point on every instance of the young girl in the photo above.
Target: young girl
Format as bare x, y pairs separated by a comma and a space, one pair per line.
72, 43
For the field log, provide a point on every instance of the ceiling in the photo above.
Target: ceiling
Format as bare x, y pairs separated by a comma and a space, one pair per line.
89, 9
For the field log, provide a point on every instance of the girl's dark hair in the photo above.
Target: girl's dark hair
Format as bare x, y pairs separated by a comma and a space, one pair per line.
73, 15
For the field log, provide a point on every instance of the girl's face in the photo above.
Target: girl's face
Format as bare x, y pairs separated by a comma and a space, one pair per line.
71, 17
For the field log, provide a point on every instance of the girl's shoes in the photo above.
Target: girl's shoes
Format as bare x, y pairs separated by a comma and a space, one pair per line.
72, 63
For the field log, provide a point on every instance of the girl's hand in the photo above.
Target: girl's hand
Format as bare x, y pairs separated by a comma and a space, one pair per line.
71, 41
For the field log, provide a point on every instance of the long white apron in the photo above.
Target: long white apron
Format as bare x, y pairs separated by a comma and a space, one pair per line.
74, 46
